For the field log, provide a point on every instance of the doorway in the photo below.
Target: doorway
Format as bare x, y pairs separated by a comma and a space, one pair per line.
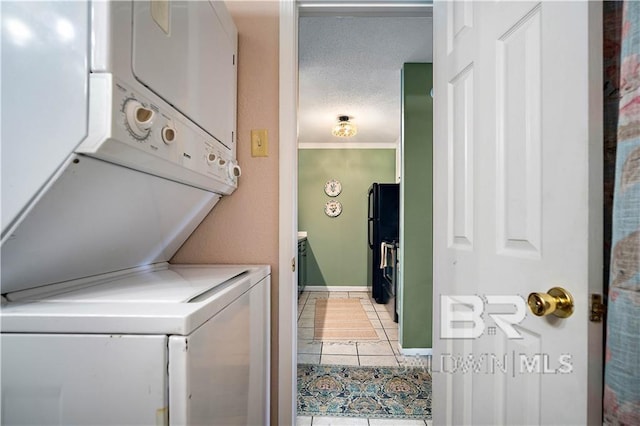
348, 83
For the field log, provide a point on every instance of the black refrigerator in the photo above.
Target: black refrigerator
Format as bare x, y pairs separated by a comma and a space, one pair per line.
383, 226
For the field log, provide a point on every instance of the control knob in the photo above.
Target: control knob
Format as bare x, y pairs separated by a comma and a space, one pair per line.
139, 118
234, 170
168, 134
211, 158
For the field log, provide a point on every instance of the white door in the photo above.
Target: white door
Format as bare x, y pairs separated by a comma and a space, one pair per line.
518, 209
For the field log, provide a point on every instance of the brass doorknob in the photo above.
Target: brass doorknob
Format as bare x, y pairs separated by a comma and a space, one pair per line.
557, 301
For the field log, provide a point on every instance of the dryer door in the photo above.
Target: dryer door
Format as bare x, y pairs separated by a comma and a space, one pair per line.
44, 96
186, 53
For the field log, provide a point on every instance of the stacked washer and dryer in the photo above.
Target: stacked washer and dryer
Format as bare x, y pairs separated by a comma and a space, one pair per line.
118, 138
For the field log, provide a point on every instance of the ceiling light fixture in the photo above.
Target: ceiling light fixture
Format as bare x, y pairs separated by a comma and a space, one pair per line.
344, 128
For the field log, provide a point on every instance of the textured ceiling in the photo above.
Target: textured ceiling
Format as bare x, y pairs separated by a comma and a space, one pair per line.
351, 66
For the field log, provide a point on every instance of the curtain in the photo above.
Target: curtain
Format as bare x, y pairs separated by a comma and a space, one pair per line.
622, 356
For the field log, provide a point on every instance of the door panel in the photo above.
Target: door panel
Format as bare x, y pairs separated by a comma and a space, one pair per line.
40, 132
219, 375
83, 379
517, 157
519, 144
460, 147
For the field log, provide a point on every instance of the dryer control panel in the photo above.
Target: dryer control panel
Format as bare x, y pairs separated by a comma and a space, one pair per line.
144, 133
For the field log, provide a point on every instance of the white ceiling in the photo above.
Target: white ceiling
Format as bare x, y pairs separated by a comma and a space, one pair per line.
351, 66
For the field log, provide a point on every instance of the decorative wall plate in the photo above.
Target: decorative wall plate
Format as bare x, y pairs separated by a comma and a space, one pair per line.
333, 188
333, 208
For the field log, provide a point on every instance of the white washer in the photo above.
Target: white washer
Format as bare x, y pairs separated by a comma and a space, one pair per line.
179, 345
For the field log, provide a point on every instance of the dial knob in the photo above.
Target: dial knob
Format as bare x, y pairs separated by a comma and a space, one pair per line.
139, 118
234, 170
168, 134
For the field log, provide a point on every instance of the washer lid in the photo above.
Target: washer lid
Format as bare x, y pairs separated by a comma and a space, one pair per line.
173, 301
175, 285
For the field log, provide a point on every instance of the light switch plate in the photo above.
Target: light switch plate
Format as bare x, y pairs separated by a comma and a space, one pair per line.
259, 143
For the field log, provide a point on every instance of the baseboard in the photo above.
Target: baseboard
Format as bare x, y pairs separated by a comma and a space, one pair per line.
415, 351
336, 288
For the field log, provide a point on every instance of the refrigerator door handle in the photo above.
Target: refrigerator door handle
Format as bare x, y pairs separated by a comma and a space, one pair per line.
369, 229
383, 256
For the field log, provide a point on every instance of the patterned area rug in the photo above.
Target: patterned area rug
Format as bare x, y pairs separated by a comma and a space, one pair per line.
374, 392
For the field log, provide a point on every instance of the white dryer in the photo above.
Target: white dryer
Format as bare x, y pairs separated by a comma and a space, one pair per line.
118, 133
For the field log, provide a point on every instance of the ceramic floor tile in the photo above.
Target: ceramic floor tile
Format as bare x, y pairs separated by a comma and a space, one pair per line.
380, 307
303, 421
303, 297
339, 360
306, 315
374, 348
359, 295
395, 422
306, 322
305, 333
395, 346
389, 324
368, 308
338, 348
308, 359
378, 360
375, 323
309, 347
338, 295
372, 315
317, 295
429, 422
336, 342
381, 334
384, 315
309, 311
392, 334
339, 421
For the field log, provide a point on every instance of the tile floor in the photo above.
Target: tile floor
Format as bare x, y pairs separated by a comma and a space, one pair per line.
381, 352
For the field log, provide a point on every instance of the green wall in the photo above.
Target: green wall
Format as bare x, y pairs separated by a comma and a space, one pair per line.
337, 247
416, 211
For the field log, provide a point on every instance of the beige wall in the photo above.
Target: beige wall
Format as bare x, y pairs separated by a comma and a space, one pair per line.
243, 228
